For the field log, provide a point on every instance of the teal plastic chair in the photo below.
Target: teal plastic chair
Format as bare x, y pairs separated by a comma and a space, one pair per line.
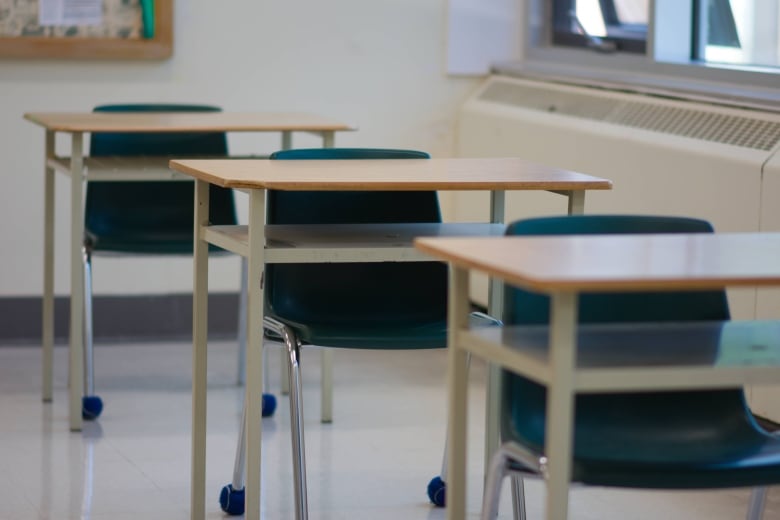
145, 217
658, 440
393, 305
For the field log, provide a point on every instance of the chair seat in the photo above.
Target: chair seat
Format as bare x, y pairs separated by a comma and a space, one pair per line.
383, 337
707, 440
750, 469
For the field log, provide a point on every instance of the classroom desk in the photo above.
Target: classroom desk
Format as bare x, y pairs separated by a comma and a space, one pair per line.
562, 267
366, 243
81, 168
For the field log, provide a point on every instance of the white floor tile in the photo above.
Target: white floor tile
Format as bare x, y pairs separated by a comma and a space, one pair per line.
374, 461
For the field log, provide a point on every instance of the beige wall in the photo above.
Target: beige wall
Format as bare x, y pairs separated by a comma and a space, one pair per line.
379, 64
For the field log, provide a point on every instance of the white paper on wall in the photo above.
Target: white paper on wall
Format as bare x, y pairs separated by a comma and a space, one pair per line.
70, 12
481, 32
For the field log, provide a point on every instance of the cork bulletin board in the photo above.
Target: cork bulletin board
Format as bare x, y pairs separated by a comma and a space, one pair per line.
123, 29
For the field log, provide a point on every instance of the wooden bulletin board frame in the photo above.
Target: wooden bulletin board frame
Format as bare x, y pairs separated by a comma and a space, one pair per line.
160, 46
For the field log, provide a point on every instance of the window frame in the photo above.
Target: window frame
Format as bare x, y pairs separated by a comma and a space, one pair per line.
755, 87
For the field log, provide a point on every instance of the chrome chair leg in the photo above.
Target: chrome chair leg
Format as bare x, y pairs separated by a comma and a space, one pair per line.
293, 349
518, 497
284, 376
89, 374
232, 496
91, 405
240, 462
757, 504
499, 464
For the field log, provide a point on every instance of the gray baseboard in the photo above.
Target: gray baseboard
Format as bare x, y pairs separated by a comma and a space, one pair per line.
166, 317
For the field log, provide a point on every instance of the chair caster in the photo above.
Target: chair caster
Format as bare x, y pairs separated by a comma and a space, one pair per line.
437, 490
269, 405
91, 406
232, 500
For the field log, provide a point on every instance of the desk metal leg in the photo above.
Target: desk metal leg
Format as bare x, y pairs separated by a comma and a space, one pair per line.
200, 293
326, 354
76, 350
284, 376
457, 392
326, 385
286, 140
577, 202
47, 325
495, 306
242, 297
254, 355
328, 139
560, 403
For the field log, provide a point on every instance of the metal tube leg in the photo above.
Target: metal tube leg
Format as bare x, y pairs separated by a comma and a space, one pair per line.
559, 432
238, 466
457, 395
76, 342
328, 139
576, 202
446, 437
89, 353
495, 475
757, 504
518, 497
296, 425
242, 299
326, 386
284, 376
286, 140
495, 305
47, 328
200, 288
91, 405
266, 384
293, 348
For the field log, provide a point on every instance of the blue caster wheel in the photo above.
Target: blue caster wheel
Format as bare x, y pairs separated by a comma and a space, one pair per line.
437, 490
91, 406
269, 405
232, 500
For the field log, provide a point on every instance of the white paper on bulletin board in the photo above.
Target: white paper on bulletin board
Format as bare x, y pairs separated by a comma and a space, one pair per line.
481, 32
70, 12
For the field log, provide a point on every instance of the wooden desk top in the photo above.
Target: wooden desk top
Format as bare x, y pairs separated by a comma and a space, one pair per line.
184, 122
618, 262
391, 174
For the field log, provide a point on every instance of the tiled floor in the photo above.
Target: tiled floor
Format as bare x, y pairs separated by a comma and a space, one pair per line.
373, 462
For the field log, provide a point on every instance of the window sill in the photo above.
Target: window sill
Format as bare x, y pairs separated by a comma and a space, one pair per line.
728, 87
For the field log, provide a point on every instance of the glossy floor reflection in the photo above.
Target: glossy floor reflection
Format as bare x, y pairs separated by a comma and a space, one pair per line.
373, 462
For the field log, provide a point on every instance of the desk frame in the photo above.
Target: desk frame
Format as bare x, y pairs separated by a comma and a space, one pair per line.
259, 253
560, 372
114, 169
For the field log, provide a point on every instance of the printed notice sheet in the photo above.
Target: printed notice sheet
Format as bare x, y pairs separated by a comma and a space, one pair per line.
70, 12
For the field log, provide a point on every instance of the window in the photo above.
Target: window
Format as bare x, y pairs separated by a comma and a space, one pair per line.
722, 47
739, 32
603, 25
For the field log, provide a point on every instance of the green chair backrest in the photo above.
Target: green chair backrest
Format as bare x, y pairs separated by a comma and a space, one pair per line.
355, 294
639, 419
151, 216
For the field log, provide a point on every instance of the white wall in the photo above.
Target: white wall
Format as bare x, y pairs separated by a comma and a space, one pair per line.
378, 64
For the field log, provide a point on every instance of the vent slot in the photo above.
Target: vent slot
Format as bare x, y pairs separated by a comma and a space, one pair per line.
745, 132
